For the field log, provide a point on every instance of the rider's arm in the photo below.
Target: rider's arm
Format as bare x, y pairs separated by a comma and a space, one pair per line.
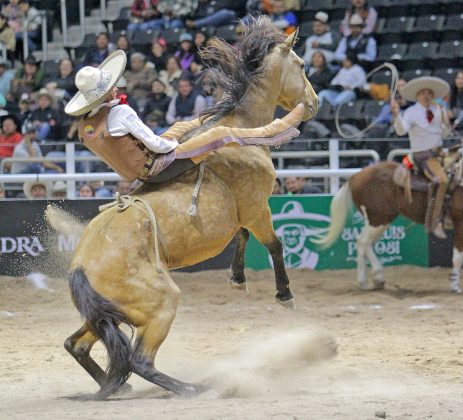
123, 120
402, 122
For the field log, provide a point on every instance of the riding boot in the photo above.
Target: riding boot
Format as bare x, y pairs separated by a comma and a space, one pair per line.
276, 133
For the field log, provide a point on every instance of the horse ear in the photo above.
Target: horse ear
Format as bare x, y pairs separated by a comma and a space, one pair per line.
291, 40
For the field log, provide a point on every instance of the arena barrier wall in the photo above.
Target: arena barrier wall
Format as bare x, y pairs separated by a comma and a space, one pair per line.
27, 244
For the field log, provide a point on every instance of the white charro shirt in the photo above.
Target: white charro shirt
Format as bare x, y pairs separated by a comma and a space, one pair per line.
122, 120
423, 135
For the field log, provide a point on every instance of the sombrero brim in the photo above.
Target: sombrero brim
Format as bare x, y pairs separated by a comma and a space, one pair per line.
115, 66
27, 188
439, 87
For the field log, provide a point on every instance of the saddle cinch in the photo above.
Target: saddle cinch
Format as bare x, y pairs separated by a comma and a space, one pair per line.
411, 178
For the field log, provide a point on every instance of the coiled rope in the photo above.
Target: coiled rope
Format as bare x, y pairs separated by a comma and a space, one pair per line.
393, 90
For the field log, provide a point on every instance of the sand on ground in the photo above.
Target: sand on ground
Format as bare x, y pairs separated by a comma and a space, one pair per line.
399, 351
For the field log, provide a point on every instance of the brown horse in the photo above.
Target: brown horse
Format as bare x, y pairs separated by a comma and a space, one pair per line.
113, 278
375, 194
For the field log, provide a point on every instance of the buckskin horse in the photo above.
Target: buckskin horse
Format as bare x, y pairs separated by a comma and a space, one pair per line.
375, 193
113, 279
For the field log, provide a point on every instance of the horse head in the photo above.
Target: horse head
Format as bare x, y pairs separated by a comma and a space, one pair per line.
294, 86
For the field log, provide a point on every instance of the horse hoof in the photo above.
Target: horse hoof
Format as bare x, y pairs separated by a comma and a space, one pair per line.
124, 389
455, 289
288, 304
363, 285
239, 282
192, 390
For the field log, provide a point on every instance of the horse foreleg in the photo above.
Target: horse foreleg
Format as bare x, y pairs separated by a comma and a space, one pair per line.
457, 259
237, 278
264, 233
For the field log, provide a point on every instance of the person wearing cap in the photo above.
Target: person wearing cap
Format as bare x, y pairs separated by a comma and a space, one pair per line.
361, 44
367, 13
343, 85
6, 76
215, 13
426, 124
114, 132
34, 190
28, 78
187, 51
323, 39
46, 119
140, 77
59, 190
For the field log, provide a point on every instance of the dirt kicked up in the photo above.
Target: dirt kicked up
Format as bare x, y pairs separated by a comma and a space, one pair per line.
342, 354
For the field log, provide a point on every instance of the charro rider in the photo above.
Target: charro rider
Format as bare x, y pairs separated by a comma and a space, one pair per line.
426, 124
111, 129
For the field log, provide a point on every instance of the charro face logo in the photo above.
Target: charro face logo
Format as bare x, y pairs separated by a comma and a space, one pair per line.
89, 130
294, 227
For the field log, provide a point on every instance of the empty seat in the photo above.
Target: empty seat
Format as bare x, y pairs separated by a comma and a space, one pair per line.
447, 74
451, 49
421, 50
383, 76
454, 22
372, 109
143, 37
316, 5
351, 111
411, 74
325, 112
391, 51
428, 23
227, 32
172, 35
398, 24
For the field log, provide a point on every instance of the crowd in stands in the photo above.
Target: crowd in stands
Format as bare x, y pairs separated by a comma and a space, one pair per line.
162, 38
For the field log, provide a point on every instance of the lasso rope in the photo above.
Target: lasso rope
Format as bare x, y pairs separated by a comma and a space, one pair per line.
393, 90
123, 202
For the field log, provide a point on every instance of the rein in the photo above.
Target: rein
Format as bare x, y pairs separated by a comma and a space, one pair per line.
123, 202
393, 89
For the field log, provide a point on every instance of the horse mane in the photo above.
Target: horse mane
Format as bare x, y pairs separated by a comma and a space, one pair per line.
234, 70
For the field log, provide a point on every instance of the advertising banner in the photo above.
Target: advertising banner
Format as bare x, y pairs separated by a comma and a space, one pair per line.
298, 219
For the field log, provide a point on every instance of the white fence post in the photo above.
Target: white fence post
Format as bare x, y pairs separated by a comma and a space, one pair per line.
70, 169
333, 147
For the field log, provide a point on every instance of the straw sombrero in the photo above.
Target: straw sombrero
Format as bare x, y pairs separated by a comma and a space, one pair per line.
95, 84
439, 87
27, 188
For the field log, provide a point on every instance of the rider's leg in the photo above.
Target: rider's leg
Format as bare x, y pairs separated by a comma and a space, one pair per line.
434, 171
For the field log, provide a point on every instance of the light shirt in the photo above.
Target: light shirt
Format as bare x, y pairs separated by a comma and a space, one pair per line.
350, 78
325, 39
21, 151
122, 120
368, 55
423, 135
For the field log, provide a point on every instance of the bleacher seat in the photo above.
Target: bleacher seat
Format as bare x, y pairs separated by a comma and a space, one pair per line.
451, 35
227, 32
325, 112
447, 74
450, 49
398, 24
391, 51
121, 22
428, 23
305, 29
172, 35
50, 67
419, 50
454, 22
383, 76
351, 111
411, 74
143, 38
371, 109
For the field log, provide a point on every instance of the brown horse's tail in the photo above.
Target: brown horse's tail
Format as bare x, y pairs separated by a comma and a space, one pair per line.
104, 318
340, 208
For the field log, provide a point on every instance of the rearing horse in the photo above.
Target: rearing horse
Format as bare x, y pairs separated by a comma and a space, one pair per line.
113, 279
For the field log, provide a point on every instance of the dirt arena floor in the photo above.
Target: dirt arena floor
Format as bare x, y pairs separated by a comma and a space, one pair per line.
399, 351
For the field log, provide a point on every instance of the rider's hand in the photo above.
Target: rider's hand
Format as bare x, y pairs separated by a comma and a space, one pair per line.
395, 108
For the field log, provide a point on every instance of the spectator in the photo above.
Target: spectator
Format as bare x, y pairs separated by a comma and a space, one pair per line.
34, 190
158, 55
358, 43
59, 190
123, 44
45, 119
86, 191
366, 12
62, 84
124, 187
25, 113
7, 37
456, 102
299, 186
281, 18
157, 103
172, 15
257, 7
28, 147
13, 13
187, 105
143, 11
323, 39
28, 79
140, 77
30, 14
277, 187
10, 136
96, 55
170, 75
6, 76
350, 77
187, 52
319, 74
215, 13
200, 40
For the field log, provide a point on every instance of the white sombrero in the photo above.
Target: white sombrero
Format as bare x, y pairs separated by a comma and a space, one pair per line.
438, 86
95, 84
27, 188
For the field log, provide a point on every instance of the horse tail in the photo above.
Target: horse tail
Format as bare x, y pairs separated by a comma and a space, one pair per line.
104, 318
341, 205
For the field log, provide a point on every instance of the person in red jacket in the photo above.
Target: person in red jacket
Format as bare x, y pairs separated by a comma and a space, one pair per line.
10, 136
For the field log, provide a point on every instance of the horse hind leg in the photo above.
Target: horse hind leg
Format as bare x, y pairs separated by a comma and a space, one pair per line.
158, 314
237, 279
